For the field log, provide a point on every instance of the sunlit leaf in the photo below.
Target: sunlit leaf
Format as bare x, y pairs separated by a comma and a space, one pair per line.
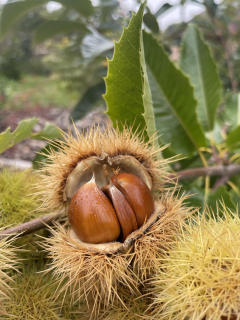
197, 62
173, 101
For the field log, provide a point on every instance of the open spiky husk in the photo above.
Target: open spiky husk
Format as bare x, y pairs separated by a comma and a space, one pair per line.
98, 276
94, 143
199, 276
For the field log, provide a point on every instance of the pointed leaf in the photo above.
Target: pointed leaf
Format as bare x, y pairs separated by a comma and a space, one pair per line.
124, 81
197, 62
23, 131
51, 29
173, 101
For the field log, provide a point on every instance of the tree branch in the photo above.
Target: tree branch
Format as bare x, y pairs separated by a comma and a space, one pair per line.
218, 171
32, 225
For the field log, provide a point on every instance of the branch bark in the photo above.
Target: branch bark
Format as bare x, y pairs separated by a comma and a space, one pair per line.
32, 225
218, 171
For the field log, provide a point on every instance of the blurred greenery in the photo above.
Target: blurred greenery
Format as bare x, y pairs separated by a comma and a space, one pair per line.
37, 90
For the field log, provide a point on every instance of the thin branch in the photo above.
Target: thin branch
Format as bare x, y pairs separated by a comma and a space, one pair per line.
218, 171
32, 225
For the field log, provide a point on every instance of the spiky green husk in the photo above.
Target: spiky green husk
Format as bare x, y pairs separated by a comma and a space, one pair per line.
199, 277
94, 143
34, 299
18, 200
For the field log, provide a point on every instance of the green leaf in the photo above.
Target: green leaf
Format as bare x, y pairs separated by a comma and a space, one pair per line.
233, 139
151, 22
5, 140
197, 62
231, 113
173, 101
221, 194
23, 131
49, 132
51, 29
89, 101
163, 9
13, 11
124, 83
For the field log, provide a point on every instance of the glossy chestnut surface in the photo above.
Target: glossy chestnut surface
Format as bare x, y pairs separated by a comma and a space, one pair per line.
91, 215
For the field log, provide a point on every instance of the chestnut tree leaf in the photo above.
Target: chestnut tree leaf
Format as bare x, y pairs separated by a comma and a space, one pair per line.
128, 96
25, 131
173, 101
197, 62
